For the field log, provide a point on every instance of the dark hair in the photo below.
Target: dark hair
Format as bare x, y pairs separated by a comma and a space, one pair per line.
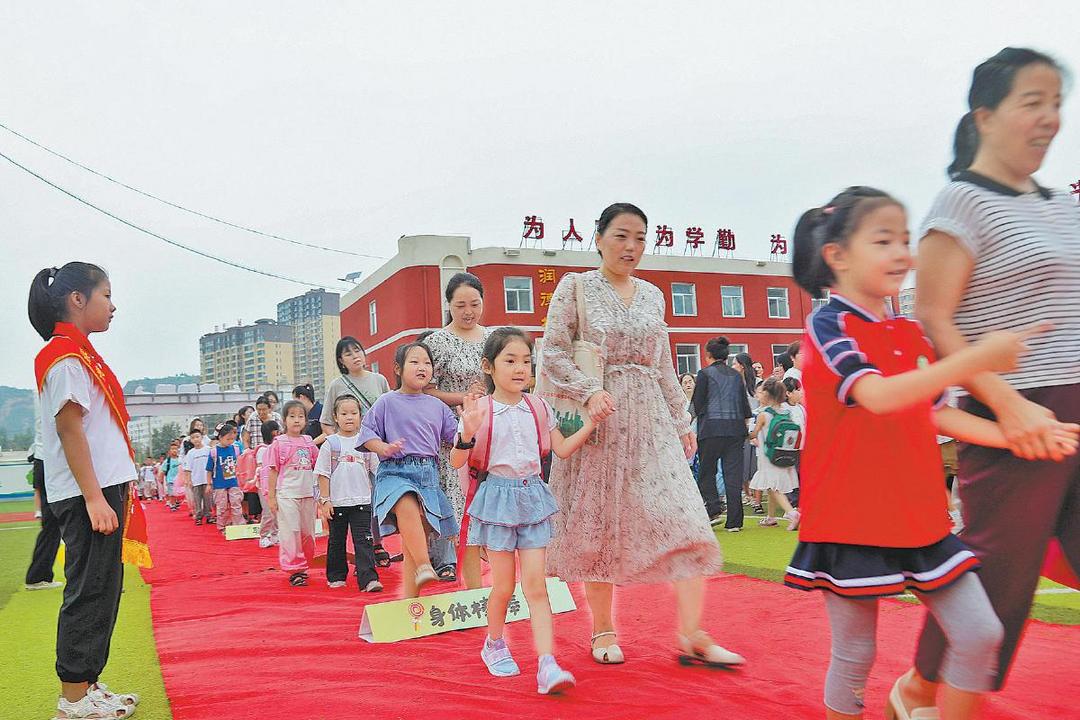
268, 429
225, 429
49, 290
305, 390
687, 375
717, 348
775, 389
342, 345
268, 393
792, 384
784, 360
496, 343
242, 412
400, 355
793, 348
293, 405
749, 378
991, 83
461, 278
191, 425
833, 223
345, 398
424, 335
615, 210
263, 400
192, 431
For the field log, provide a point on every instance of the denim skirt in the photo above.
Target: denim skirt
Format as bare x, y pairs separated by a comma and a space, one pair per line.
419, 476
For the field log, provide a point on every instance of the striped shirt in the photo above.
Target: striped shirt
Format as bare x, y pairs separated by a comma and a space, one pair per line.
1026, 252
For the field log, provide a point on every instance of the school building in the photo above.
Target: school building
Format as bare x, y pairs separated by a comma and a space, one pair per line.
754, 303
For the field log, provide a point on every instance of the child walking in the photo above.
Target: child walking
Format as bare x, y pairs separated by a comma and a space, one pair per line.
345, 471
874, 401
221, 464
774, 421
195, 462
268, 528
291, 479
89, 467
504, 438
406, 428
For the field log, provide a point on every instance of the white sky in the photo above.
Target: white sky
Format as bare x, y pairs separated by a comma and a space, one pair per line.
350, 124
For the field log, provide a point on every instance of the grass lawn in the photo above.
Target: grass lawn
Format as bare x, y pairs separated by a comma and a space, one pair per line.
28, 687
764, 553
16, 506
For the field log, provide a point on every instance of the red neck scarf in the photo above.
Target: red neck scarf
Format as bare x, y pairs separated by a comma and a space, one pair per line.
67, 341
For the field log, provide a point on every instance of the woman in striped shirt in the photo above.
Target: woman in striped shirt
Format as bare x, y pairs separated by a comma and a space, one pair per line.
1000, 252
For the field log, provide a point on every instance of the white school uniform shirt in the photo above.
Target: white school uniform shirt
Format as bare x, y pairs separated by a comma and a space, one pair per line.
798, 415
515, 449
195, 462
351, 482
67, 381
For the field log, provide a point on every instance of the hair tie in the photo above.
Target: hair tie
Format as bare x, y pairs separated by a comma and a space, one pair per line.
828, 210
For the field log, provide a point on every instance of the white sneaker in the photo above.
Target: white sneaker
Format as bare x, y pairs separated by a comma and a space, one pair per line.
89, 708
336, 584
265, 542
44, 585
373, 586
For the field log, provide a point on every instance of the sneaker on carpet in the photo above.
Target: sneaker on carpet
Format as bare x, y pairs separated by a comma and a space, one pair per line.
497, 658
336, 584
44, 585
551, 678
373, 586
265, 542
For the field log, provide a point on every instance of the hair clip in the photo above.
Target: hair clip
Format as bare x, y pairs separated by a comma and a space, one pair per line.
828, 210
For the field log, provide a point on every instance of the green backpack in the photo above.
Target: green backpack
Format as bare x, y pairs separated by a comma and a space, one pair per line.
782, 438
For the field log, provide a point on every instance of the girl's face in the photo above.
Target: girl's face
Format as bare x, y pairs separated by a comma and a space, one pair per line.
347, 416
795, 397
354, 359
417, 370
688, 384
466, 307
273, 398
622, 244
244, 416
94, 313
295, 421
1019, 131
877, 258
200, 426
759, 370
513, 367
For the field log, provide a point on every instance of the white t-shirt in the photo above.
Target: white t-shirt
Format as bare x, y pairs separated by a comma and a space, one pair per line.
67, 381
793, 372
195, 462
515, 449
351, 482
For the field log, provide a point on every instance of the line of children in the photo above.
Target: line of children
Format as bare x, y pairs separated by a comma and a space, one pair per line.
290, 495
171, 469
345, 472
504, 438
875, 400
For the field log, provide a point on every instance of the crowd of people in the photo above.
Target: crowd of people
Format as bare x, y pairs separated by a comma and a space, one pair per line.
457, 457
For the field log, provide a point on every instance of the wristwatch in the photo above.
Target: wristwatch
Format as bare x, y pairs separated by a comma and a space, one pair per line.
462, 445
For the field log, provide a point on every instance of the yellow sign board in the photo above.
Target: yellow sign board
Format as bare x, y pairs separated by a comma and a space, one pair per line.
251, 532
433, 614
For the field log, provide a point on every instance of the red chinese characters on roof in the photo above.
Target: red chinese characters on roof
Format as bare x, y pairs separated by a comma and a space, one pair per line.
571, 235
778, 245
534, 228
725, 240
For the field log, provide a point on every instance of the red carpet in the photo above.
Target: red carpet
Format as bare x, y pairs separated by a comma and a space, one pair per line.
236, 642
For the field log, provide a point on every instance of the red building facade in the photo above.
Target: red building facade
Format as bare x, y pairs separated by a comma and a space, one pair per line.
755, 304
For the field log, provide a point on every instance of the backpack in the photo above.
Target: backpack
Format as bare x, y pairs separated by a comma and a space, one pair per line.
245, 470
481, 452
782, 437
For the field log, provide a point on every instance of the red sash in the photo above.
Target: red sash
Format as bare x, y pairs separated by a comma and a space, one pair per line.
67, 341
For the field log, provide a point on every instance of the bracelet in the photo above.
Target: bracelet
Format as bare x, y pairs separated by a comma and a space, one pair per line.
462, 445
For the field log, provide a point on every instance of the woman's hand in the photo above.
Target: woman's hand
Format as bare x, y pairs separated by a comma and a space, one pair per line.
1030, 429
271, 500
474, 411
477, 388
600, 406
326, 511
102, 516
689, 444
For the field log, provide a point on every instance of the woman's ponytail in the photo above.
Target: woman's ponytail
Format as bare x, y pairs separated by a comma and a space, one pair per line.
47, 304
965, 145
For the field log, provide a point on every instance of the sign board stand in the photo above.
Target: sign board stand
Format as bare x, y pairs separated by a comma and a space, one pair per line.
251, 532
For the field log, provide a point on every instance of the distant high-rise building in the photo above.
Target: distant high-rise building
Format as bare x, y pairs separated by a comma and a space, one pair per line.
250, 357
907, 302
315, 318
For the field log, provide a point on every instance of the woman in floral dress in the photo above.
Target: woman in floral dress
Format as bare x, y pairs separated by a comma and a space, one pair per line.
630, 511
457, 349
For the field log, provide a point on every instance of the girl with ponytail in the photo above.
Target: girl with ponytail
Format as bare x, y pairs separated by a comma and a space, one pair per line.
88, 466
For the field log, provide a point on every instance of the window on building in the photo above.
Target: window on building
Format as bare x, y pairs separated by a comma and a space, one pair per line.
683, 299
734, 349
518, 291
687, 358
815, 303
373, 318
731, 299
778, 303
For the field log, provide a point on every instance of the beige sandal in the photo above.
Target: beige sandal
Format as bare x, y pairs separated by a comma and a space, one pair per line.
895, 709
610, 655
424, 575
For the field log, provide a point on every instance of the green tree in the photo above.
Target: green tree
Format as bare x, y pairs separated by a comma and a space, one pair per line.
162, 436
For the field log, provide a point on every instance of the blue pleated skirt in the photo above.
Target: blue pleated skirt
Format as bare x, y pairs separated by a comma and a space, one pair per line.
509, 514
420, 476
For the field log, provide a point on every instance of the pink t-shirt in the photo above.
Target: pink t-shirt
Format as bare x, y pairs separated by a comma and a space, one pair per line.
294, 459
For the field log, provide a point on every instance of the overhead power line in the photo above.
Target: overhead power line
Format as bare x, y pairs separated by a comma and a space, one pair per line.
153, 234
237, 226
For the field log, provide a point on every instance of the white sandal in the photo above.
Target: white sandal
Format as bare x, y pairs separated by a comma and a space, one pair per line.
895, 710
712, 655
610, 655
101, 691
424, 575
90, 708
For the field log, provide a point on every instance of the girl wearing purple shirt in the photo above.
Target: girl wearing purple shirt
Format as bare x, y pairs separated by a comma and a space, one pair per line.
406, 428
